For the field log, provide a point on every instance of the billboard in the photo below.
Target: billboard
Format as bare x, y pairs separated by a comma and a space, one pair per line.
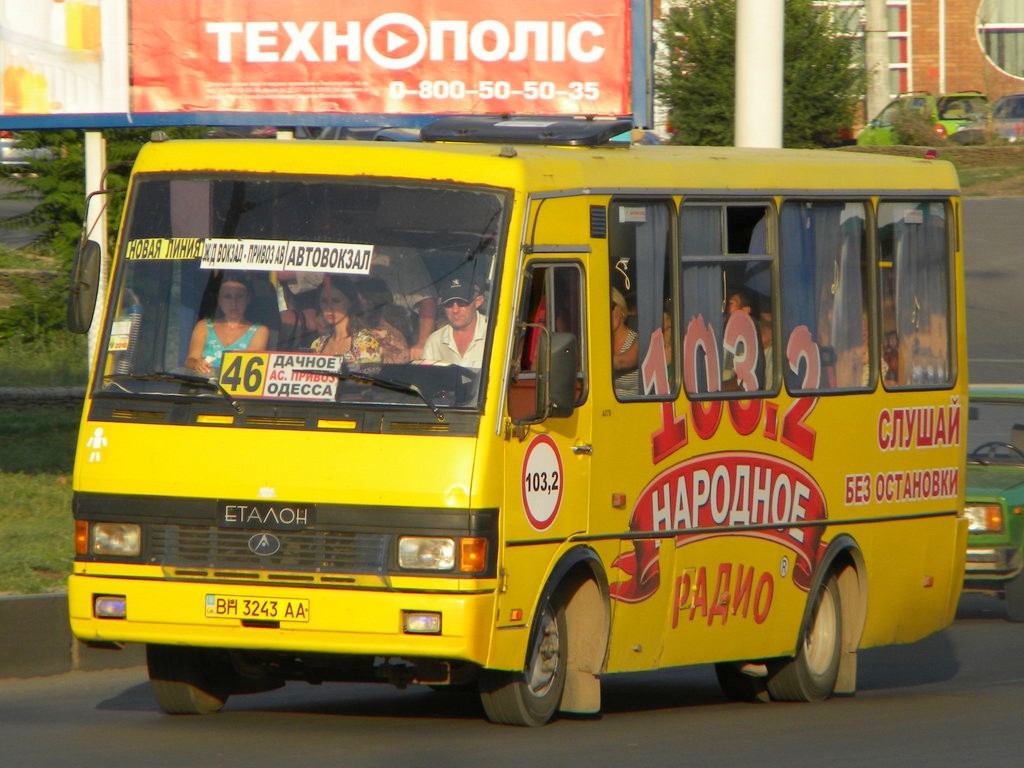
151, 62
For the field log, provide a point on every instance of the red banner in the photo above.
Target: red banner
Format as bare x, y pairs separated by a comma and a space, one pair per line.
362, 56
725, 494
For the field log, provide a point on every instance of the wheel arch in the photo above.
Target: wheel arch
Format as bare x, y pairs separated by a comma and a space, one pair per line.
578, 581
844, 559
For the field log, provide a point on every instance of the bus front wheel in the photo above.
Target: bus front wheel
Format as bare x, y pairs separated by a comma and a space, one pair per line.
811, 675
188, 681
530, 698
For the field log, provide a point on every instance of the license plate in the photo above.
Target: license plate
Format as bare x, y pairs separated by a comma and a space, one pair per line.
256, 608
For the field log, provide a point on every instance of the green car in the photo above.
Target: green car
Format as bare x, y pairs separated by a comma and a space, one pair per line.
947, 113
995, 495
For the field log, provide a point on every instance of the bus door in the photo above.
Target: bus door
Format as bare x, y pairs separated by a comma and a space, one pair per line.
547, 451
633, 382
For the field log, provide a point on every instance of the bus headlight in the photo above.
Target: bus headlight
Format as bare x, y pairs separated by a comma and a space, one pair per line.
984, 518
426, 553
118, 539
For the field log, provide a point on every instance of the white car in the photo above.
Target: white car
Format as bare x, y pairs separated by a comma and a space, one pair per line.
13, 154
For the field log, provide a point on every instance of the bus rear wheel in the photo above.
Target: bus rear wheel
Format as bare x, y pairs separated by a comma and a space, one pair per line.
531, 698
811, 675
188, 681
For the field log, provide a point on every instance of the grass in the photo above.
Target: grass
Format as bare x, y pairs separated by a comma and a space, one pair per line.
985, 171
59, 361
37, 447
12, 258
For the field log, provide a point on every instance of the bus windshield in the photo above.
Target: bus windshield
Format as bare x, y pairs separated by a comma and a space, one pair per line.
306, 291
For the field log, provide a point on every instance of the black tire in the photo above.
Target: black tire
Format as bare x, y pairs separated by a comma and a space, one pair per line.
811, 675
739, 686
188, 681
1014, 595
532, 697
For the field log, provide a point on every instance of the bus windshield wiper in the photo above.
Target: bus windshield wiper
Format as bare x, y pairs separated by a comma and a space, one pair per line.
396, 386
178, 378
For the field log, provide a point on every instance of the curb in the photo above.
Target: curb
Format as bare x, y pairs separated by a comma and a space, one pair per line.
35, 634
42, 395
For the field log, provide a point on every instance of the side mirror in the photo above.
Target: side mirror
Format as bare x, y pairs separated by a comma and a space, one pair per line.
562, 375
85, 280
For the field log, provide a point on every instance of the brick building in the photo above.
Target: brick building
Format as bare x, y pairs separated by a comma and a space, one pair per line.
942, 45
954, 45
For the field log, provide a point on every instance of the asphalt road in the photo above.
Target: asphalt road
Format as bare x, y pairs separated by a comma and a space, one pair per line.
994, 257
950, 700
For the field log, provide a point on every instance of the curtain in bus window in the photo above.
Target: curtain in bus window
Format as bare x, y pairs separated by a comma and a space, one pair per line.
799, 280
922, 294
849, 318
823, 274
938, 291
703, 290
758, 277
825, 227
651, 247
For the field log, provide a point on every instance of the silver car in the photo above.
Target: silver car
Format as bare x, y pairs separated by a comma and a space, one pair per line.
12, 154
1008, 117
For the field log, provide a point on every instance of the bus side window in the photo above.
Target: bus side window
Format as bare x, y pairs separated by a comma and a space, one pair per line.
727, 285
914, 270
641, 303
825, 290
551, 302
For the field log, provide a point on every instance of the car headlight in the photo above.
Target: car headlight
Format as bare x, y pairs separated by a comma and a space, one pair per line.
118, 539
426, 553
984, 518
466, 554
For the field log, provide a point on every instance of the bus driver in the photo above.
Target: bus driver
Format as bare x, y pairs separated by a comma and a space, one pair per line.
462, 340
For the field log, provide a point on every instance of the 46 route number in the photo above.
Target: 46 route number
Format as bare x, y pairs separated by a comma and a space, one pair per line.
244, 374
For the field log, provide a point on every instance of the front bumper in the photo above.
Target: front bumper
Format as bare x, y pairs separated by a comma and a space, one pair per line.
988, 568
340, 621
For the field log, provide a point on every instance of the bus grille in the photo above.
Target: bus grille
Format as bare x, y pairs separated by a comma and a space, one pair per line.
307, 551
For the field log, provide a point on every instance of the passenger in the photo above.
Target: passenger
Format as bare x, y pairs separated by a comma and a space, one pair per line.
413, 291
228, 331
379, 316
462, 340
345, 336
625, 349
739, 301
297, 299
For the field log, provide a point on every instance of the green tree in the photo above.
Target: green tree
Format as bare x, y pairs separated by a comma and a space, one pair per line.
822, 78
55, 183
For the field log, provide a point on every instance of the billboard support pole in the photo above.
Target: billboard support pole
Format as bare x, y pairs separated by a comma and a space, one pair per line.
760, 26
642, 54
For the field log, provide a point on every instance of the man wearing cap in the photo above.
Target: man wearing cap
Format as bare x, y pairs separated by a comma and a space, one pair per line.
462, 340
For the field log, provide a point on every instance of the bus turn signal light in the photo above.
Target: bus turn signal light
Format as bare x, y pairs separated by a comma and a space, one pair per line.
473, 555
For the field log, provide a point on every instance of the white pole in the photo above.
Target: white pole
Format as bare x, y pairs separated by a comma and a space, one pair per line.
760, 31
96, 223
876, 52
942, 46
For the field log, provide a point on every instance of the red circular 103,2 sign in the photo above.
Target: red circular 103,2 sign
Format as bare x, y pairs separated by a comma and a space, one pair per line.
542, 482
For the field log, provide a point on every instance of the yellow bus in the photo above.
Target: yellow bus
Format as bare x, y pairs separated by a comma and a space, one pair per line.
518, 406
